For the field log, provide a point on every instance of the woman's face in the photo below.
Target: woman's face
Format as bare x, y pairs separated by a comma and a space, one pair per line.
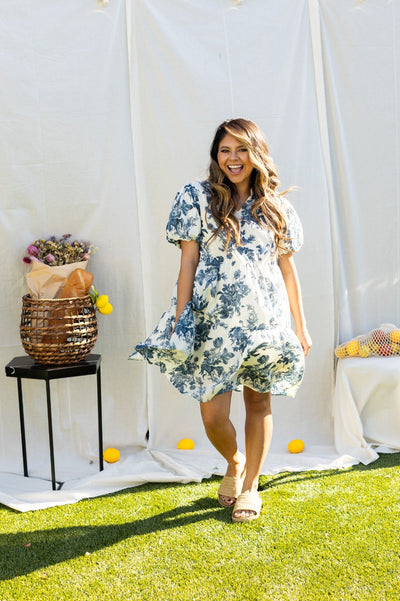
234, 161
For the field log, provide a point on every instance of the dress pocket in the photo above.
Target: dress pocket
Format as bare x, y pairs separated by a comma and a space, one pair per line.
182, 338
206, 285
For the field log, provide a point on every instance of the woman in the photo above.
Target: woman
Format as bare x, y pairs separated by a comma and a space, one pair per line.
229, 321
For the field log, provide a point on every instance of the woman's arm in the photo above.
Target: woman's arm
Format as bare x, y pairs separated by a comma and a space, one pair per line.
190, 254
292, 283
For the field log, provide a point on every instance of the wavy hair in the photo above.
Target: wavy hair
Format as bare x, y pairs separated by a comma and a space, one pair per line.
263, 181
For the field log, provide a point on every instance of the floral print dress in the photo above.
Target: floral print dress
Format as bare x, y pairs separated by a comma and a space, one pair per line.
236, 329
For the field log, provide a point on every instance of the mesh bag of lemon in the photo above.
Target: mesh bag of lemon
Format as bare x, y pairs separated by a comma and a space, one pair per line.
383, 341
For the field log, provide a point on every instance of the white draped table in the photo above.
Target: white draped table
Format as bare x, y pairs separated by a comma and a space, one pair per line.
366, 407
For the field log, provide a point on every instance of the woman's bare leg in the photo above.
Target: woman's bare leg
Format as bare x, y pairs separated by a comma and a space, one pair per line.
258, 434
221, 432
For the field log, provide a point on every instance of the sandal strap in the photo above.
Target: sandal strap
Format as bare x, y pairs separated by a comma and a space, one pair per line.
248, 501
231, 486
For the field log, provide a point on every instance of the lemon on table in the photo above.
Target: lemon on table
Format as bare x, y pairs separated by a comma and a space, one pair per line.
364, 350
395, 348
341, 351
296, 446
185, 444
106, 309
111, 455
353, 347
394, 336
101, 301
374, 348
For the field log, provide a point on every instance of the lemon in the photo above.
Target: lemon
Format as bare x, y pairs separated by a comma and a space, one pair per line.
111, 455
395, 348
101, 301
353, 347
296, 446
364, 350
185, 444
341, 351
394, 336
106, 309
374, 348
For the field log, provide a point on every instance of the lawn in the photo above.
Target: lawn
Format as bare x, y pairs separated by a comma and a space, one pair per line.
330, 535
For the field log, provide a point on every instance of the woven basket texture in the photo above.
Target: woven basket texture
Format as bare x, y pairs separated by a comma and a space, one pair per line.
58, 331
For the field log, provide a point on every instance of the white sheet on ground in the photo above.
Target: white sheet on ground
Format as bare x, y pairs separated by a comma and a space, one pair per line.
108, 111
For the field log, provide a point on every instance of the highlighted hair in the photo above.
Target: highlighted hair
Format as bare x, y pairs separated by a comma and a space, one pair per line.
263, 181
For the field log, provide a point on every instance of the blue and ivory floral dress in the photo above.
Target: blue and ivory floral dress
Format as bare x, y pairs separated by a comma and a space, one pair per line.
236, 329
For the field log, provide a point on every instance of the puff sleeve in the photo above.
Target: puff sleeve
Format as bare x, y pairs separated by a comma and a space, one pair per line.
293, 240
184, 222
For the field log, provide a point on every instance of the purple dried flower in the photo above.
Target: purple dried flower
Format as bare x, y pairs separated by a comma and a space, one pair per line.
32, 249
59, 251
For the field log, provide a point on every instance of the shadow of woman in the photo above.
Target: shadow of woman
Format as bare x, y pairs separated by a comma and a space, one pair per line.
49, 547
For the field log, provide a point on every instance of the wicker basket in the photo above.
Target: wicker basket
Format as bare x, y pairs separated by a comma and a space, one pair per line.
58, 331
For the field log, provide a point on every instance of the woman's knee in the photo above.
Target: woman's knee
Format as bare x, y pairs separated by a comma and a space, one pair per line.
215, 413
257, 402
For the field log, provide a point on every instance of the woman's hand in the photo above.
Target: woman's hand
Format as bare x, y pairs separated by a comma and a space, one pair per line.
292, 283
305, 340
189, 260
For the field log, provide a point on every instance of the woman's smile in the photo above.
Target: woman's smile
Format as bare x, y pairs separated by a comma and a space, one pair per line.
234, 161
235, 169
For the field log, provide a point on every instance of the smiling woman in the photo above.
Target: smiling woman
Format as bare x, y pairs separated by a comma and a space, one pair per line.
234, 162
248, 166
228, 326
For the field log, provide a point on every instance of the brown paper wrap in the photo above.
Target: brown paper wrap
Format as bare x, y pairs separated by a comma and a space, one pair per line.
44, 281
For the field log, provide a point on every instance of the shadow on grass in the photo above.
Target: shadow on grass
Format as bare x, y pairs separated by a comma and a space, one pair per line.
386, 460
49, 547
52, 546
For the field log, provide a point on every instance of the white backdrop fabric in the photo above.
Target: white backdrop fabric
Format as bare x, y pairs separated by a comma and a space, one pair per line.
366, 406
105, 112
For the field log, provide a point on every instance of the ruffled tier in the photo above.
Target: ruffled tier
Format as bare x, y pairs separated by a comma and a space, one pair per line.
202, 359
163, 349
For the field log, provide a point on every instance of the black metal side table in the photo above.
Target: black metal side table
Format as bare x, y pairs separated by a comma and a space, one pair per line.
25, 367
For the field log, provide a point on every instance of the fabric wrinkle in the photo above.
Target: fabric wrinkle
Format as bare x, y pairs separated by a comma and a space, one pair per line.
236, 330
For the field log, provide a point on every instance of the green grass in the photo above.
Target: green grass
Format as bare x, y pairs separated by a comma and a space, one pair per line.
331, 535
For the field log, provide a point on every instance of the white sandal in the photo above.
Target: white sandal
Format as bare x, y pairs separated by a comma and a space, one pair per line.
247, 501
231, 486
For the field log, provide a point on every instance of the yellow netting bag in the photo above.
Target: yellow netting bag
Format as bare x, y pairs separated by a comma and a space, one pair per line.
381, 342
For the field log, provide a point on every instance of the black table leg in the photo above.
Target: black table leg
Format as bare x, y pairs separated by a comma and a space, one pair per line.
26, 367
100, 420
49, 418
22, 425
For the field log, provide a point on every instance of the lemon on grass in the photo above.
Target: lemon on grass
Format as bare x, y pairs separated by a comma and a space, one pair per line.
185, 444
111, 455
296, 446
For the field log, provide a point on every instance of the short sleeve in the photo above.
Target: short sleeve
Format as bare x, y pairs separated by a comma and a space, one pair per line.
293, 235
184, 222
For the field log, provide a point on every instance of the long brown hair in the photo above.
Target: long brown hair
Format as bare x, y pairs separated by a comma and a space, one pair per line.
264, 182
